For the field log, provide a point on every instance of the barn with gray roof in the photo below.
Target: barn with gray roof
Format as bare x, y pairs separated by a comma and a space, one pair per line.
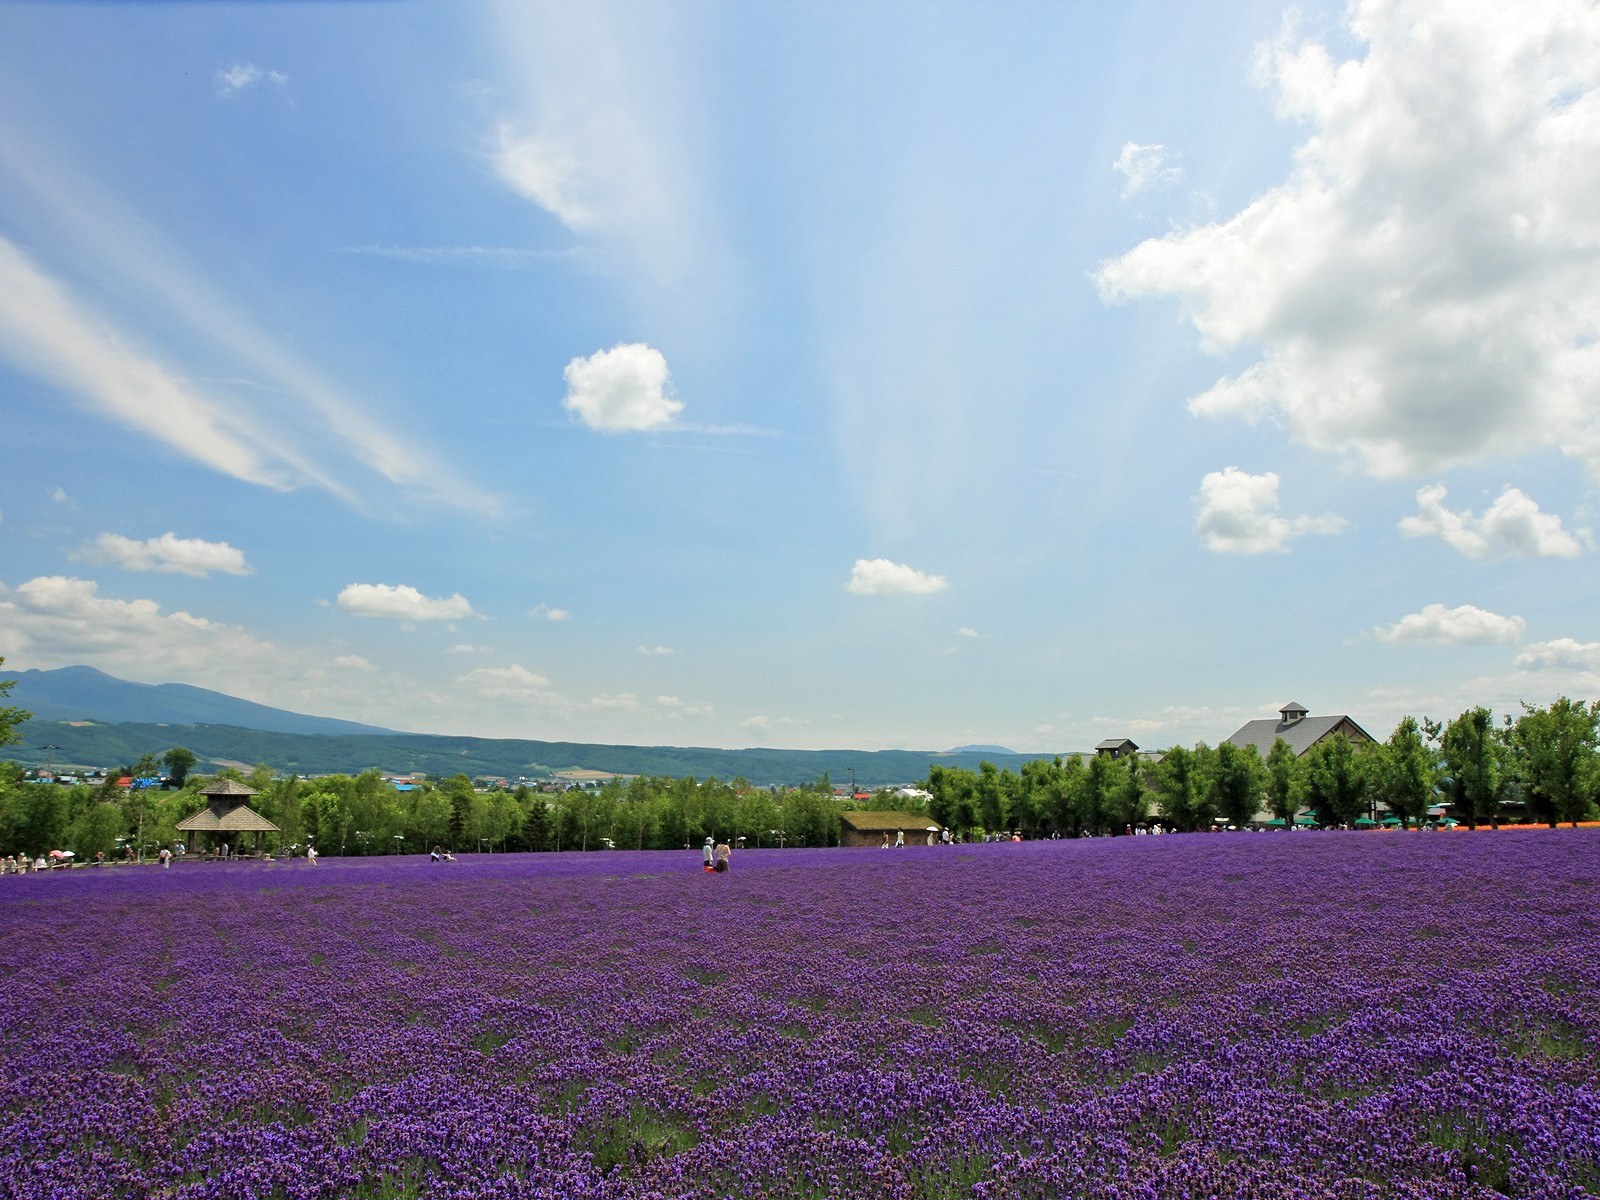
1299, 728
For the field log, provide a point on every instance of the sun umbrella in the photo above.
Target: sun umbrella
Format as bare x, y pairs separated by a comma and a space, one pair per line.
932, 829
1365, 823
62, 854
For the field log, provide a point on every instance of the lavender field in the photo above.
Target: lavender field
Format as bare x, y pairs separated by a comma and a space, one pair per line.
1328, 1015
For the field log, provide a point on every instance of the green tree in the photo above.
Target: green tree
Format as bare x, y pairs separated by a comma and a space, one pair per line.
1556, 758
1336, 786
96, 830
1286, 781
1403, 771
1236, 783
10, 718
1180, 789
179, 761
1472, 757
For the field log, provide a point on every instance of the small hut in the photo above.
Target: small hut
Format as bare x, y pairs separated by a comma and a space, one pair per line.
864, 828
226, 812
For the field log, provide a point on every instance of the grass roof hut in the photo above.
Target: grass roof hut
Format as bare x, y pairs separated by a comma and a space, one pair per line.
227, 814
866, 828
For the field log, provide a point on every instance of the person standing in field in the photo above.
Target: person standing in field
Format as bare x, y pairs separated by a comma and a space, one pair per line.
899, 839
707, 853
166, 857
724, 858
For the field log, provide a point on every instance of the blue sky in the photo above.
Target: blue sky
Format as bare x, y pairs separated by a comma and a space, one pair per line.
875, 375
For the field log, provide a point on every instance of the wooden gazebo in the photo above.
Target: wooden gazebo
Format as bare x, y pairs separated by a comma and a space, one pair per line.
226, 812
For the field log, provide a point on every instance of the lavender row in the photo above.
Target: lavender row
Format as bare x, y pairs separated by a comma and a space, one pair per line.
1340, 1016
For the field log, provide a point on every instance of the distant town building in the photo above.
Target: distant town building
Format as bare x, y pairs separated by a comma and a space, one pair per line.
1299, 728
1117, 747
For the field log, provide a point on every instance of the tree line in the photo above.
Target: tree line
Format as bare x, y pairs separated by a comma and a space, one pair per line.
1543, 764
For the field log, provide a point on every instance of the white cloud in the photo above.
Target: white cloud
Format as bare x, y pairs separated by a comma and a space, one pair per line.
353, 662
625, 388
515, 682
880, 577
109, 356
57, 620
968, 633
624, 701
543, 612
468, 648
508, 258
401, 603
1239, 515
239, 76
1562, 653
655, 651
1463, 625
59, 495
1143, 168
51, 335
544, 170
1421, 285
685, 708
170, 554
1512, 525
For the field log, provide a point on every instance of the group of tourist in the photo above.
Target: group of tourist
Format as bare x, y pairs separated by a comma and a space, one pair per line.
716, 856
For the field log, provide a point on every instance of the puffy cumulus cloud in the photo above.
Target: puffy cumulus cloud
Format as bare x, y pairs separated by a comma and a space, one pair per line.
401, 603
1143, 168
1512, 525
1463, 625
1239, 515
169, 553
546, 171
880, 577
1421, 285
624, 389
240, 76
57, 620
353, 662
543, 612
1562, 653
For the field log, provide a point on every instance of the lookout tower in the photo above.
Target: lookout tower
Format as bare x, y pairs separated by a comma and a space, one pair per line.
226, 812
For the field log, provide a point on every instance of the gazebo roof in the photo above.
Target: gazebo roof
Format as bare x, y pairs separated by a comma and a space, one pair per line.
228, 787
241, 819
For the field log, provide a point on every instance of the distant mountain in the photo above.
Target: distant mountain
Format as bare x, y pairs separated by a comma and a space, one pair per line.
112, 745
85, 694
85, 717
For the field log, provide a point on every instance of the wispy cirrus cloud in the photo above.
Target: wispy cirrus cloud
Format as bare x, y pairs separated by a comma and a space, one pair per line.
127, 355
241, 76
1145, 168
505, 258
